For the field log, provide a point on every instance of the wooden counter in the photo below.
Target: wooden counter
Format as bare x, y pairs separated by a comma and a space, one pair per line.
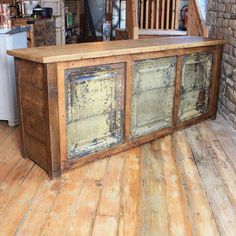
82, 102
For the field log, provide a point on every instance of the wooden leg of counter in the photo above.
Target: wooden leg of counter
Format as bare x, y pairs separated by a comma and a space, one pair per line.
54, 162
22, 145
216, 80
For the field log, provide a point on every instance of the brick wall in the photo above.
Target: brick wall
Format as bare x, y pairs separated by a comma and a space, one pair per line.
221, 20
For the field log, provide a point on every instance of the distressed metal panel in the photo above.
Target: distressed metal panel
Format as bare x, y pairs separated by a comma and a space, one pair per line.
195, 85
94, 107
152, 95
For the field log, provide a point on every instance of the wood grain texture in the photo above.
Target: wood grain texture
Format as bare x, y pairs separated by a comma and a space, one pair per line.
55, 222
53, 143
155, 219
179, 221
104, 49
163, 14
177, 9
223, 163
13, 181
147, 16
105, 225
42, 204
142, 2
196, 23
177, 89
157, 15
9, 153
20, 105
19, 204
168, 14
36, 151
36, 105
131, 19
222, 208
5, 131
137, 184
109, 204
226, 137
173, 13
32, 74
131, 194
34, 126
216, 72
199, 207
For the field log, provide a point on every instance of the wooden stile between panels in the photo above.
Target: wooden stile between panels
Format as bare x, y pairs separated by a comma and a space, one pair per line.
112, 100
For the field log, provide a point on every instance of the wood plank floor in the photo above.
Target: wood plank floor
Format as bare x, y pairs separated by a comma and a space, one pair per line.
183, 184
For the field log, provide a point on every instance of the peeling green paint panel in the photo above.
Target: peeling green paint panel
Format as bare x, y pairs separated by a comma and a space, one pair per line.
195, 85
94, 108
152, 95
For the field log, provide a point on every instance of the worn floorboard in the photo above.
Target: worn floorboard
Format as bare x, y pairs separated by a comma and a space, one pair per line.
5, 131
226, 137
223, 210
183, 184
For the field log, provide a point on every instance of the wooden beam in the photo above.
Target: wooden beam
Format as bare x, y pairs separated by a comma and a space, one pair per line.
168, 14
131, 19
147, 15
157, 14
173, 14
152, 13
141, 15
163, 14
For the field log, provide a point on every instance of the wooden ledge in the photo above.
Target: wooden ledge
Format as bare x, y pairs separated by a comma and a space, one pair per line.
53, 54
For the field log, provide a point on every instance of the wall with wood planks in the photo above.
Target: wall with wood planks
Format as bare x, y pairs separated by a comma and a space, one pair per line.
221, 20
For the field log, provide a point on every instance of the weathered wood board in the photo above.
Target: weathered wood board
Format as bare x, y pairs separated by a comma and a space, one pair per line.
94, 106
152, 95
195, 85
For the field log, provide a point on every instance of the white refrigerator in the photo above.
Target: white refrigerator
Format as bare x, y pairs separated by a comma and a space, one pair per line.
8, 99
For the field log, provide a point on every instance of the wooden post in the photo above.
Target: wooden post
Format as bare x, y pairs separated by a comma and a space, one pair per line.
54, 162
196, 24
177, 89
131, 19
157, 14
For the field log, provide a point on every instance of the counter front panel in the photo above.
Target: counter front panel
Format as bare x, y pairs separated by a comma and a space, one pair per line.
131, 92
152, 95
195, 85
94, 108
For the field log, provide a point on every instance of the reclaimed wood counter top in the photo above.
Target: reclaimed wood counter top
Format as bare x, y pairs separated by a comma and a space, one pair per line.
53, 54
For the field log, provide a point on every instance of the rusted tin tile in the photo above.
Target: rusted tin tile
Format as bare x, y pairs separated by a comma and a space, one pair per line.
152, 97
195, 85
95, 108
